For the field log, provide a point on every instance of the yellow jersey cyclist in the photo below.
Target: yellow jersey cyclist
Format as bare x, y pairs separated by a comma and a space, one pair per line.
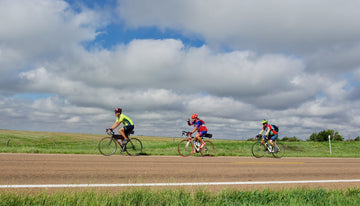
128, 124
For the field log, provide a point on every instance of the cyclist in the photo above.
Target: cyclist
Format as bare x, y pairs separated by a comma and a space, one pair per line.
128, 124
270, 134
200, 127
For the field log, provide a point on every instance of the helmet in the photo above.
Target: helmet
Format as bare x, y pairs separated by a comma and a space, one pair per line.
194, 116
118, 110
264, 121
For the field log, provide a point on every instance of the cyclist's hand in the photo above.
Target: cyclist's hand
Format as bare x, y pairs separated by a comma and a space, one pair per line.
190, 133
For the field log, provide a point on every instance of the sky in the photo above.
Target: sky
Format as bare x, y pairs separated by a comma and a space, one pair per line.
66, 65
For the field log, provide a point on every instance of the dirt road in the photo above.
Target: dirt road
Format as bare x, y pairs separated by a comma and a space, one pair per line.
27, 169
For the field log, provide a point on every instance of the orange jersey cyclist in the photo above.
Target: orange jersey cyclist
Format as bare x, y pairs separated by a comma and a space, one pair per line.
128, 124
200, 127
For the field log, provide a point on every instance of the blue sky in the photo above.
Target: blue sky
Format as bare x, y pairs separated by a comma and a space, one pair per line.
117, 33
65, 65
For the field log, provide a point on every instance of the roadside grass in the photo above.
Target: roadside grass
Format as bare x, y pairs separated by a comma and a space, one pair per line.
68, 143
187, 197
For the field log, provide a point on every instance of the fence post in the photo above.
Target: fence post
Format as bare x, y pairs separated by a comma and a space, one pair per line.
330, 144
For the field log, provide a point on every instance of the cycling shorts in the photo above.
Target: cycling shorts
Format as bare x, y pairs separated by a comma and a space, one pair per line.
272, 137
128, 129
202, 133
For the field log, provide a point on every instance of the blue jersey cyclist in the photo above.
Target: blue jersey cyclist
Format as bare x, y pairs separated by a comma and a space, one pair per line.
270, 133
128, 124
200, 127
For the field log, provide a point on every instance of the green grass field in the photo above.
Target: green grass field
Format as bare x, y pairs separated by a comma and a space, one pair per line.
185, 197
67, 143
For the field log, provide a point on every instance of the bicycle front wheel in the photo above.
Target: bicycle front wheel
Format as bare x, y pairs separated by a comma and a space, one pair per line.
279, 151
107, 146
185, 148
258, 149
208, 150
133, 147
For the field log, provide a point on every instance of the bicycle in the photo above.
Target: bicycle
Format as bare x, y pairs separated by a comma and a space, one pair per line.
108, 145
259, 149
187, 146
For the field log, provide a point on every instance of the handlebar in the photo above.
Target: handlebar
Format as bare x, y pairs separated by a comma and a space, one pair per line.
186, 134
111, 131
260, 137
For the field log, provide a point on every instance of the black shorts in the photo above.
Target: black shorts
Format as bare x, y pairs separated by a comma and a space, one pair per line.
128, 129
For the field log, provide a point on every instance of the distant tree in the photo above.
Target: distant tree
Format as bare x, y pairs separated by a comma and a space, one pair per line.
357, 138
324, 136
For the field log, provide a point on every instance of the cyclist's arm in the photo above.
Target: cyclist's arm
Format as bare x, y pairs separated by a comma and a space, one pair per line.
261, 132
196, 128
267, 132
189, 123
116, 124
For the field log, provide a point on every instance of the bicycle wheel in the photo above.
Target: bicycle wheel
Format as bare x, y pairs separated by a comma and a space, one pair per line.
107, 146
279, 151
258, 149
133, 147
185, 148
208, 149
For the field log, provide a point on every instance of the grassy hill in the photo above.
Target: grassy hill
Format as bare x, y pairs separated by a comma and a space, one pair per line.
68, 143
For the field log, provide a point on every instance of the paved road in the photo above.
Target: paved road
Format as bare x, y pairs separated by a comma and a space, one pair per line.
26, 169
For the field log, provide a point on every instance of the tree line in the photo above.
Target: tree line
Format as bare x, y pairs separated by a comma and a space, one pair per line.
320, 137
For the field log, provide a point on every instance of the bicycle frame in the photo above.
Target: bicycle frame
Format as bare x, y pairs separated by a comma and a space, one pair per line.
114, 136
117, 140
190, 146
196, 142
277, 151
108, 145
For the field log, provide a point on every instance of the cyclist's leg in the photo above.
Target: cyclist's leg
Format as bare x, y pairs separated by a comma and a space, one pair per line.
272, 139
122, 132
201, 135
127, 130
264, 140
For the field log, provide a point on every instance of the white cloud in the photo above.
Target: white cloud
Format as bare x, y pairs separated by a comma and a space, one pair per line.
40, 30
160, 83
263, 25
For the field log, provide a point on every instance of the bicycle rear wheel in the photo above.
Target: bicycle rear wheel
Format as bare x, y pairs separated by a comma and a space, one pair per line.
279, 151
258, 149
107, 146
133, 147
208, 149
185, 148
